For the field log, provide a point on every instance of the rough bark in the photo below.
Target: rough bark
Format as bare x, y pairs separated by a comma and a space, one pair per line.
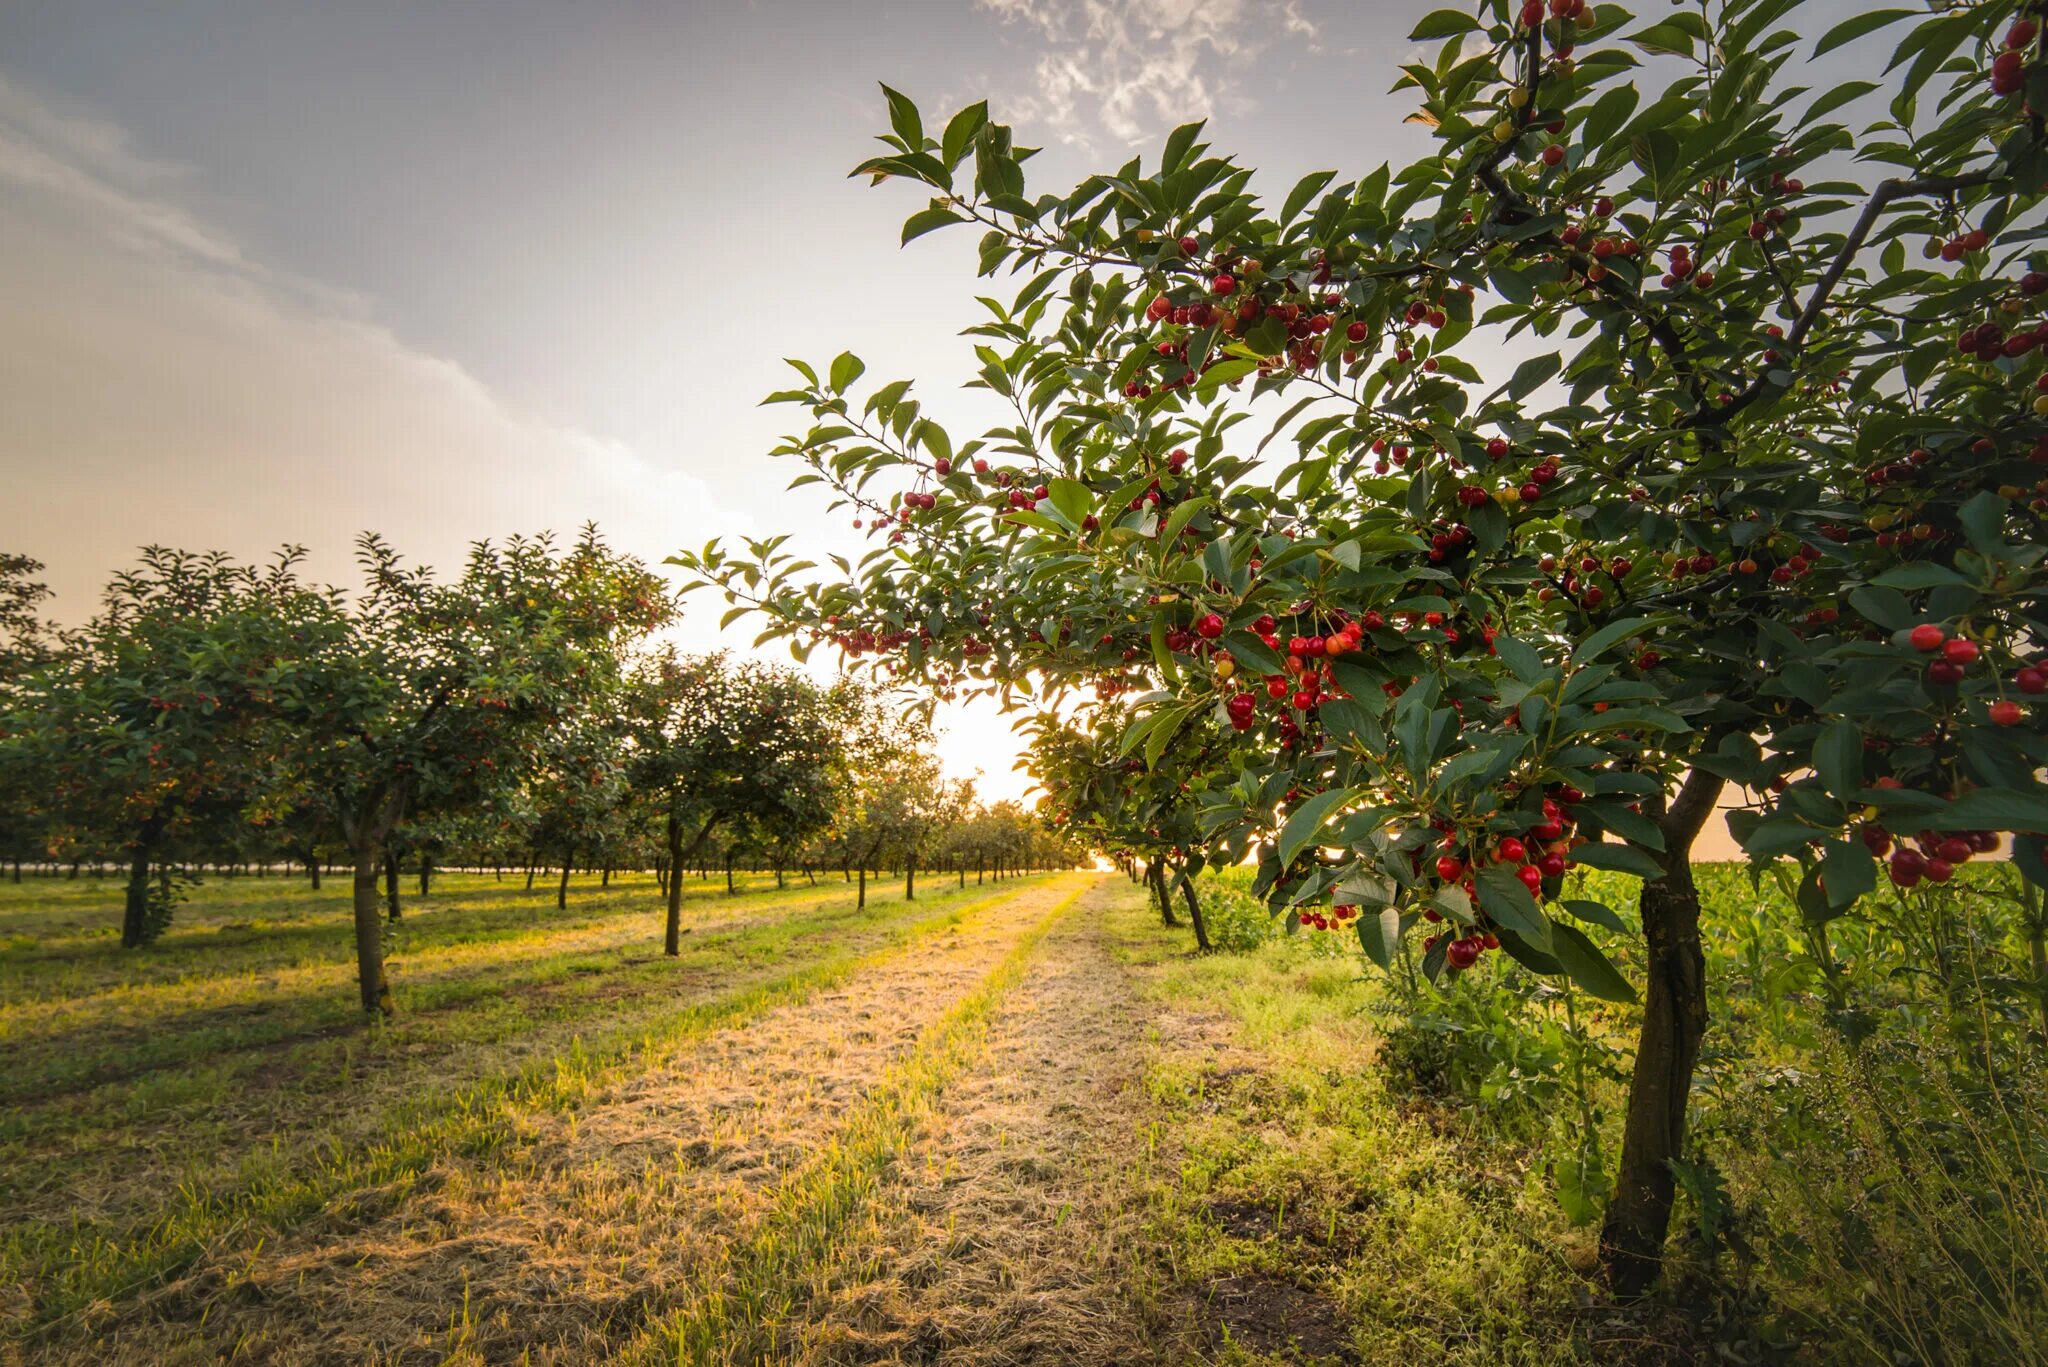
1155, 878
1187, 891
1668, 1049
374, 991
135, 915
391, 885
910, 879
562, 888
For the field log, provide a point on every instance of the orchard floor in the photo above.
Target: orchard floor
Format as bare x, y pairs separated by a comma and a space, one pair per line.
1017, 1123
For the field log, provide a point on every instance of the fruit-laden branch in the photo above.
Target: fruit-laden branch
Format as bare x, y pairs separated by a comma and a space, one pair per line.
1886, 193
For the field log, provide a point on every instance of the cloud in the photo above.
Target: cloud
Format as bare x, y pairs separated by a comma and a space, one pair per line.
159, 385
1129, 69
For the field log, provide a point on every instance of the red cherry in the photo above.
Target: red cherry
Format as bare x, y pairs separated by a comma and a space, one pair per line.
1190, 245
1462, 954
1927, 636
1223, 284
1553, 154
1938, 870
2006, 712
1450, 868
1532, 878
1511, 851
1906, 867
2032, 679
1959, 651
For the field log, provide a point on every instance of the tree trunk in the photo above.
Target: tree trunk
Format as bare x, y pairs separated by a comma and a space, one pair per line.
375, 993
860, 899
426, 872
672, 940
391, 885
910, 878
605, 876
1187, 891
135, 916
1155, 878
313, 872
531, 869
562, 888
1674, 1023
672, 937
728, 875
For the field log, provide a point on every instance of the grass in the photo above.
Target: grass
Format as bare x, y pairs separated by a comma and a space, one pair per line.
225, 1122
994, 1123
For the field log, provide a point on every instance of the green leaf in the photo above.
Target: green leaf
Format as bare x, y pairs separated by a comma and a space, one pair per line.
1223, 372
1849, 870
1072, 499
1379, 935
1533, 373
1502, 896
1610, 635
1520, 658
1599, 913
1307, 821
1304, 190
927, 220
904, 120
1670, 37
1838, 759
1585, 965
846, 368
1607, 854
960, 130
1443, 23
1178, 144
1856, 26
1836, 98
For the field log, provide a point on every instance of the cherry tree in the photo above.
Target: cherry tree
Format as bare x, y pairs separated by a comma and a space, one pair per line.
1758, 500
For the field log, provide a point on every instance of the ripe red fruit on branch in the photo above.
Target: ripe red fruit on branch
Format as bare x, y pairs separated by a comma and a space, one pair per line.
1512, 851
2006, 712
1450, 868
1462, 954
1209, 626
1927, 636
1959, 651
1223, 284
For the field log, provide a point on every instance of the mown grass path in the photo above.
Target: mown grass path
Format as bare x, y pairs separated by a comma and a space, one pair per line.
112, 1190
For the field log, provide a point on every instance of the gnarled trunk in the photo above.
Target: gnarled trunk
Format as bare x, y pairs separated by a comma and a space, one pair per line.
1674, 1023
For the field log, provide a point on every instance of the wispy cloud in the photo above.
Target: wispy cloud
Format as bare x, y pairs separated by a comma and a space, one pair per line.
159, 385
1124, 70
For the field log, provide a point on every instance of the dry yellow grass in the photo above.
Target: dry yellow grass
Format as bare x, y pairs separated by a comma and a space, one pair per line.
561, 1240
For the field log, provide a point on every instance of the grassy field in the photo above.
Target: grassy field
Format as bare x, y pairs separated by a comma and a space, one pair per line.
1001, 1124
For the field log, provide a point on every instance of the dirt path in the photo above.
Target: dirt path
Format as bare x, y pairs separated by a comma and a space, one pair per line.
1016, 1229
567, 1236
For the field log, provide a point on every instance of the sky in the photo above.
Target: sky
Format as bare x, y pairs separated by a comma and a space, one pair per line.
282, 271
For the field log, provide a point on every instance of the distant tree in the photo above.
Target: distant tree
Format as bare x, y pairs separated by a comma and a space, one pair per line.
439, 695
24, 643
717, 743
154, 728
